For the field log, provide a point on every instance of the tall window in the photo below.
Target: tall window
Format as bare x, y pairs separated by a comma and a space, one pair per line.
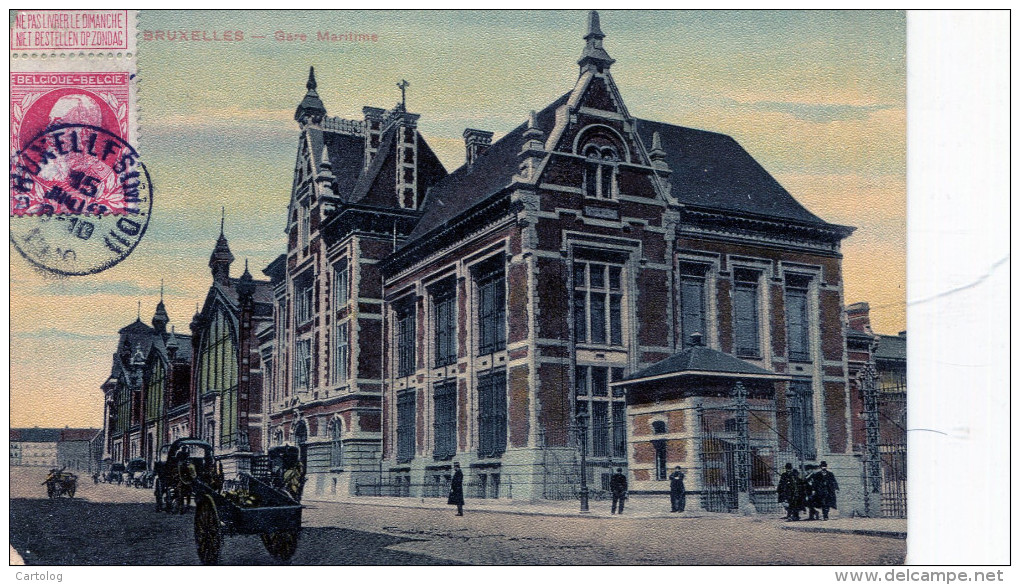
598, 299
492, 308
600, 172
797, 327
445, 426
405, 339
336, 452
306, 224
692, 302
492, 414
659, 428
444, 303
341, 354
341, 284
405, 425
154, 391
303, 364
304, 295
607, 427
745, 310
800, 403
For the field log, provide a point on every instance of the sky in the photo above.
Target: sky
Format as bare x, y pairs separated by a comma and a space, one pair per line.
818, 98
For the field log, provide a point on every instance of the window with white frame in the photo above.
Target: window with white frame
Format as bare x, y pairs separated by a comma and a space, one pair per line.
405, 425
341, 284
491, 283
444, 302
304, 294
747, 328
598, 303
492, 414
302, 364
444, 399
605, 411
341, 353
336, 447
693, 302
405, 334
797, 326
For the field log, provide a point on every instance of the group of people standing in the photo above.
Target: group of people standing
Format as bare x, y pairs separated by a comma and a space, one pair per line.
816, 489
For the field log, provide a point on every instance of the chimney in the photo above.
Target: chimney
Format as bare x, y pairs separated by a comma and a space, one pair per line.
696, 340
476, 142
859, 317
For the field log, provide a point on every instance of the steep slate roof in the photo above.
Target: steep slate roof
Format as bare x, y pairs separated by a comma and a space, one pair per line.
346, 157
891, 347
713, 171
701, 360
470, 185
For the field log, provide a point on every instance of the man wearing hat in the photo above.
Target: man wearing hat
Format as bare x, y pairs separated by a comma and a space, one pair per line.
825, 486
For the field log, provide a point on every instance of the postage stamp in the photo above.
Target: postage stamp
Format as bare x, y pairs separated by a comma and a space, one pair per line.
526, 288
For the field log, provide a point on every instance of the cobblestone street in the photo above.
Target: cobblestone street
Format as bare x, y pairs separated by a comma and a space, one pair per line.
372, 531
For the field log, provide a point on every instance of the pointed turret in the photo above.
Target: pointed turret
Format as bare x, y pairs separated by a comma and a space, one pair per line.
245, 284
221, 259
657, 154
594, 56
311, 109
171, 344
160, 318
325, 177
532, 149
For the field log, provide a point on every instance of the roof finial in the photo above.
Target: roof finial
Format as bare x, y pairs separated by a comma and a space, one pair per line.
139, 310
161, 290
403, 85
594, 55
223, 217
311, 85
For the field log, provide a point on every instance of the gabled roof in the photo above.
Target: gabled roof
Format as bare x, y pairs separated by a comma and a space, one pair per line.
702, 361
36, 435
469, 185
713, 171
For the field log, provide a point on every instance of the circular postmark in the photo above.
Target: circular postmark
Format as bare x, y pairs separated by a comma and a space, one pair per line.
80, 199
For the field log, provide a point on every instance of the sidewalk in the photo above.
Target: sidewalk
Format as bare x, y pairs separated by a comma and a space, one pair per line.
637, 507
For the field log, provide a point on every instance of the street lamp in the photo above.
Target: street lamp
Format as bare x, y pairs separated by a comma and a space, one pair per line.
582, 431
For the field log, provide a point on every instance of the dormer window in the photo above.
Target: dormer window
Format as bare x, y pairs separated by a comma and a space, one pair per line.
600, 171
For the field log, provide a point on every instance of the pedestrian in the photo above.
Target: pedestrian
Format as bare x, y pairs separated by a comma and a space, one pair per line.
810, 496
825, 486
786, 489
677, 493
618, 486
457, 489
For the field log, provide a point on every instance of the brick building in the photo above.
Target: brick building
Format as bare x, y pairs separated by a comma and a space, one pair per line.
423, 317
67, 448
146, 393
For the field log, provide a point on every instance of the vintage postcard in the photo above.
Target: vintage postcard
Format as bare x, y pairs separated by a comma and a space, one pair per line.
438, 288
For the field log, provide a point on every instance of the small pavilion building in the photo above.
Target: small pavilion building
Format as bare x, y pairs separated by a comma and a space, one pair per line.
713, 415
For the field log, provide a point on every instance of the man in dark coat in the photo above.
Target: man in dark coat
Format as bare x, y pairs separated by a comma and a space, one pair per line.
786, 489
457, 490
618, 486
824, 484
677, 493
811, 499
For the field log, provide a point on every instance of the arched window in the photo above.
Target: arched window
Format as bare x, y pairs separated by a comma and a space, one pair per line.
600, 171
336, 452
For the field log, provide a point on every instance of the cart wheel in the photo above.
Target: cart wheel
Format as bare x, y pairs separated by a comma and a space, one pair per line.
208, 537
282, 545
70, 491
49, 490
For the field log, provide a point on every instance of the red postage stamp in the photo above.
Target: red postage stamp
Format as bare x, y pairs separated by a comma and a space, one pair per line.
66, 171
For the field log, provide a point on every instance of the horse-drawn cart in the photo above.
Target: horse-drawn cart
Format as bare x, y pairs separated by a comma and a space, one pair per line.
59, 482
253, 507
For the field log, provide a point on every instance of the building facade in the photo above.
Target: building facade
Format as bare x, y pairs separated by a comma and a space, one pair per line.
67, 448
146, 393
226, 397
